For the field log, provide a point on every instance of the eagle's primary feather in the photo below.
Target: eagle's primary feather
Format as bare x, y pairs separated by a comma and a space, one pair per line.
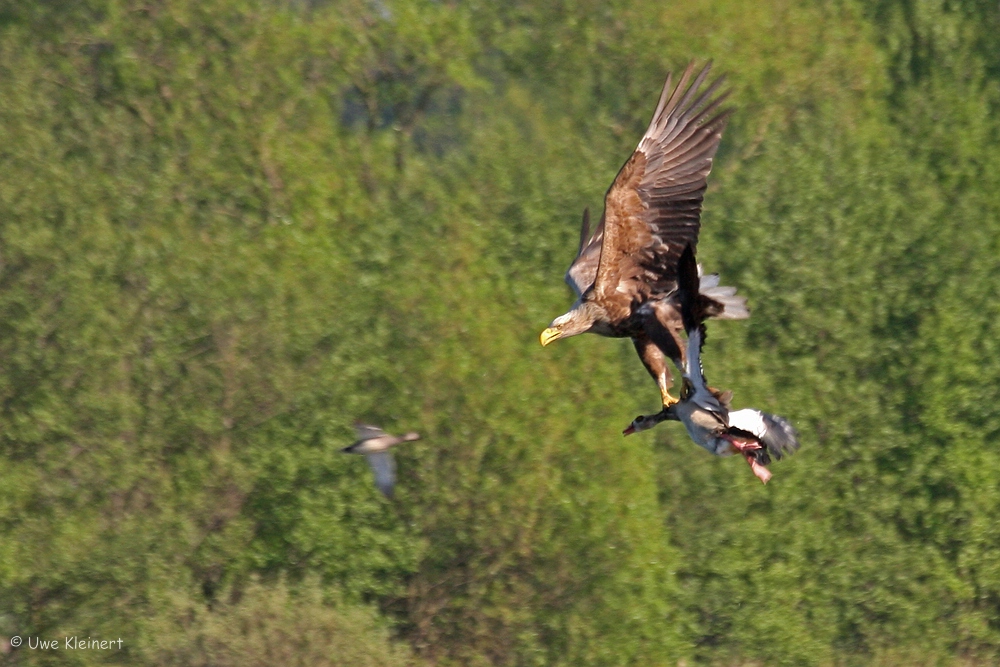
625, 272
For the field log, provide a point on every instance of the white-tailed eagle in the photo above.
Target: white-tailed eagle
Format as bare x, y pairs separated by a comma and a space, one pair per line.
625, 273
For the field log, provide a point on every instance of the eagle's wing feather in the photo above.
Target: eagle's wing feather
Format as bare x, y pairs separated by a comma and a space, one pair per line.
652, 210
583, 270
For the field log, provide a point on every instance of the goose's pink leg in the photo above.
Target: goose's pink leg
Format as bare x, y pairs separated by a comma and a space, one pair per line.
746, 448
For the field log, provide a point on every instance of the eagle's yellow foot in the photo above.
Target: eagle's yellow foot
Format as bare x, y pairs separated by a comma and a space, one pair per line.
668, 400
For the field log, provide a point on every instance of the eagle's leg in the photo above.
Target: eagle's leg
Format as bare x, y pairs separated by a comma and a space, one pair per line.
663, 340
656, 364
667, 399
749, 449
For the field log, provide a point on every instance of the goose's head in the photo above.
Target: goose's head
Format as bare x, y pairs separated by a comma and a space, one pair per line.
646, 422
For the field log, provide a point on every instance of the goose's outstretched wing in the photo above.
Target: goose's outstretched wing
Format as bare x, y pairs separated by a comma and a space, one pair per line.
367, 431
776, 433
695, 308
384, 468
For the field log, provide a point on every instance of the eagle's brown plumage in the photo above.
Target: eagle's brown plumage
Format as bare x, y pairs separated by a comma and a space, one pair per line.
652, 209
625, 275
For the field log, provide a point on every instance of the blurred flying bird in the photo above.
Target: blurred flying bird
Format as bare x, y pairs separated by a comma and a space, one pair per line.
625, 273
705, 411
375, 443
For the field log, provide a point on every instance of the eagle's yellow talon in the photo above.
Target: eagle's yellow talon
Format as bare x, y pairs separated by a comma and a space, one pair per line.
669, 400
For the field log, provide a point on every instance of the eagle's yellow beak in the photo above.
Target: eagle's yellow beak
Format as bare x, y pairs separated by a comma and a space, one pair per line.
549, 335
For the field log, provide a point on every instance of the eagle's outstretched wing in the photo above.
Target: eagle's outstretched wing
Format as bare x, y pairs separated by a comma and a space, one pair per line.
583, 270
653, 208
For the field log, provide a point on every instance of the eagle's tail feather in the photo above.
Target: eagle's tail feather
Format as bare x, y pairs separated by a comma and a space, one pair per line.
729, 306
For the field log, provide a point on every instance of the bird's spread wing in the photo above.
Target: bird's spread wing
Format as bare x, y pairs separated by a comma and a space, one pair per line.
750, 421
367, 431
693, 314
384, 467
653, 208
692, 305
683, 310
696, 375
701, 394
774, 432
583, 270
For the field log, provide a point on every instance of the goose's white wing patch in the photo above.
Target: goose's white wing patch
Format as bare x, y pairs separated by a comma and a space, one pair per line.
774, 432
749, 420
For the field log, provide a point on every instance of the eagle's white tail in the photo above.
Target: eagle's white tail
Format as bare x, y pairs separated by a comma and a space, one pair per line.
733, 307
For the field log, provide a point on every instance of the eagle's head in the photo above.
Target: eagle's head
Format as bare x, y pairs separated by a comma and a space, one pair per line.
579, 320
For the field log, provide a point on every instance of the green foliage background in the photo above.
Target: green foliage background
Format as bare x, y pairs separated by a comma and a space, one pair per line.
229, 228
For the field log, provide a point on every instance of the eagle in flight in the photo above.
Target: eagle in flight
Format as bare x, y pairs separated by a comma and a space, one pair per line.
625, 274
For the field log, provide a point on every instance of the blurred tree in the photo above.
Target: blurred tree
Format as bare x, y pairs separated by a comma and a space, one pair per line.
272, 624
230, 228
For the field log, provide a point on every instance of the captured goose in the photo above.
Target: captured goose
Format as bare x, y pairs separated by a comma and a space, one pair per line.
625, 273
375, 443
705, 412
